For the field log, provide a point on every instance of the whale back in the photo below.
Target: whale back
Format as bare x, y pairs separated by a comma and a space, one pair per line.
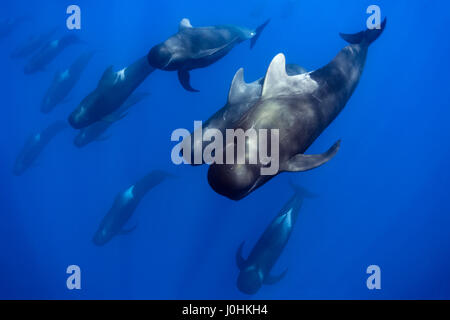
278, 83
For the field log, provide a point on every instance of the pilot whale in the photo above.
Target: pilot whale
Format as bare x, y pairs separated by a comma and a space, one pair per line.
111, 92
95, 131
193, 48
48, 52
124, 206
242, 97
301, 107
63, 83
255, 270
34, 145
32, 44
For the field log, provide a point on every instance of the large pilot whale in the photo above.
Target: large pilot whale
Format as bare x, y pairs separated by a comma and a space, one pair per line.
123, 207
111, 92
255, 270
34, 146
301, 107
96, 130
198, 47
63, 82
242, 96
48, 52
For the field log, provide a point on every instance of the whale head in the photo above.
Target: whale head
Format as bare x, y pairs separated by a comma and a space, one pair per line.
233, 181
102, 236
160, 57
250, 280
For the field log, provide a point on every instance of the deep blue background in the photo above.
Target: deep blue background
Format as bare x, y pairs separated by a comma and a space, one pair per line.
383, 199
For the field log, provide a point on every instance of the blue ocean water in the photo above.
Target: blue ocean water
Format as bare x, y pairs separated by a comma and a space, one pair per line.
383, 200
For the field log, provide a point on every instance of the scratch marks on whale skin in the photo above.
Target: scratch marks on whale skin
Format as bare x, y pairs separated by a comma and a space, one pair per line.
120, 75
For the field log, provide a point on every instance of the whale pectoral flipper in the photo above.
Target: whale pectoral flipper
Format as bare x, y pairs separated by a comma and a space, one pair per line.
103, 138
240, 261
305, 162
113, 118
127, 231
269, 279
185, 78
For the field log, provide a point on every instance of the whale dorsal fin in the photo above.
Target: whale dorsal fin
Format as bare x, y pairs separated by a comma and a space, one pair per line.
242, 91
107, 77
185, 24
278, 82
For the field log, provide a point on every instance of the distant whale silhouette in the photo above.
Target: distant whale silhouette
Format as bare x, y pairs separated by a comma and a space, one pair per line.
9, 25
63, 83
96, 130
31, 45
49, 52
301, 107
193, 48
124, 206
255, 270
111, 92
34, 146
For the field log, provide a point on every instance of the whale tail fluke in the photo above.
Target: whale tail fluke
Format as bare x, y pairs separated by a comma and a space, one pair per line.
258, 32
367, 37
302, 191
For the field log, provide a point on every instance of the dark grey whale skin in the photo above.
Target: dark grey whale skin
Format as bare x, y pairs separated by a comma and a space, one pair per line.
63, 82
241, 98
124, 206
34, 146
49, 52
112, 91
255, 270
198, 47
95, 131
300, 116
